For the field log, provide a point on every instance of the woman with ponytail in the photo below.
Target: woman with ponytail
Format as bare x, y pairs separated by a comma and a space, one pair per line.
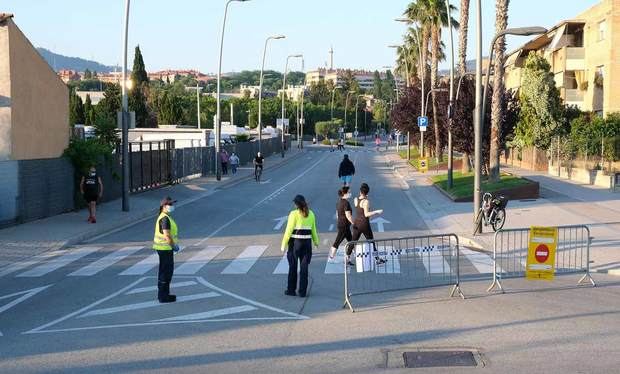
298, 238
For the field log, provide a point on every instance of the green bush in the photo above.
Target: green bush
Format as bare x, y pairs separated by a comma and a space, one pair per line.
86, 153
354, 143
326, 142
243, 138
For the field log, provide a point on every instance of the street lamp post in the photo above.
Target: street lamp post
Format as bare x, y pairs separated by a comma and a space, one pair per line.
284, 95
218, 117
260, 90
124, 116
357, 103
346, 105
481, 100
333, 93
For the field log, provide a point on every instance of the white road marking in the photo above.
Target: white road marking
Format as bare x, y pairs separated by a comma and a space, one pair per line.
199, 260
281, 221
60, 261
210, 314
331, 227
282, 267
143, 266
26, 295
106, 261
433, 261
27, 263
278, 191
380, 222
481, 261
337, 265
246, 259
154, 288
147, 304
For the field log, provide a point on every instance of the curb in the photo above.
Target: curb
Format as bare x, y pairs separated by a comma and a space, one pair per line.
614, 271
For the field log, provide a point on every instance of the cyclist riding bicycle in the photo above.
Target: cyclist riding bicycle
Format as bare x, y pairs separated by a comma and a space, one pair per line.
259, 161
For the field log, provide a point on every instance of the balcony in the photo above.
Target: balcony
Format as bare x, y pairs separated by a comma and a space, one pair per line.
575, 58
574, 97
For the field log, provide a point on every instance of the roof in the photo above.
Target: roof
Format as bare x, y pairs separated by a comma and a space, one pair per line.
5, 16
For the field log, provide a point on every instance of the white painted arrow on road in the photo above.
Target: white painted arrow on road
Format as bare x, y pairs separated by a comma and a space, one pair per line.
280, 223
380, 223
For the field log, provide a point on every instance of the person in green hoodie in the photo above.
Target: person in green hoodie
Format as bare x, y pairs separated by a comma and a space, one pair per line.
298, 238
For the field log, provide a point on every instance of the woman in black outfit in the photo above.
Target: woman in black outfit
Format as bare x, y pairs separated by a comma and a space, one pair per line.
344, 215
361, 225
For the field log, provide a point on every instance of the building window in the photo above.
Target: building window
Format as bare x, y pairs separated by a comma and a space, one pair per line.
599, 76
602, 30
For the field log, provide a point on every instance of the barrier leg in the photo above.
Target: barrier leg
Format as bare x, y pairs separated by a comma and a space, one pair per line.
347, 296
588, 277
457, 288
496, 282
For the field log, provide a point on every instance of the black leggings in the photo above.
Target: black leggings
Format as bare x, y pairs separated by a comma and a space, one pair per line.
343, 233
299, 251
357, 234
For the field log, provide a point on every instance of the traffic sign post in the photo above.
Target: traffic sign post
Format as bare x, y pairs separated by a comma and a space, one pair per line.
422, 123
541, 253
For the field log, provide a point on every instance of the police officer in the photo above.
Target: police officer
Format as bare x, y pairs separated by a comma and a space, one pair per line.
298, 237
165, 242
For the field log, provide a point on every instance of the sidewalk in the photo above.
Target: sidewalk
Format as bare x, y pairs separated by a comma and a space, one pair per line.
562, 202
53, 233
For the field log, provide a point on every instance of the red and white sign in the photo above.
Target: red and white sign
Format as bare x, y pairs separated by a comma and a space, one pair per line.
542, 253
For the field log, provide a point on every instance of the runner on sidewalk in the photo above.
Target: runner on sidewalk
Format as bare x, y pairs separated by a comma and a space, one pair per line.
346, 170
344, 215
91, 188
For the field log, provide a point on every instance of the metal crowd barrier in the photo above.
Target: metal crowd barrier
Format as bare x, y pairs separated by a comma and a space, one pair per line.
412, 262
510, 249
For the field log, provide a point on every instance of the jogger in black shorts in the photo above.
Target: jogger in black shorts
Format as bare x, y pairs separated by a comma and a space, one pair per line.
344, 215
361, 225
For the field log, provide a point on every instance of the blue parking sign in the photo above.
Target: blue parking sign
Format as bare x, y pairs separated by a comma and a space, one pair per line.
422, 123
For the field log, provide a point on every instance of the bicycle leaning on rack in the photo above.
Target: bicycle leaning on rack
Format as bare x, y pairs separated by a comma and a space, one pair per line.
492, 212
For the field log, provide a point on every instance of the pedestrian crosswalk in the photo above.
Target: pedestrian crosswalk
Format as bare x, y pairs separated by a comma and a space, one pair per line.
138, 260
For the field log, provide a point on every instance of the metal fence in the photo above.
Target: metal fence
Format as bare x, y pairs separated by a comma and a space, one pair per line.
150, 164
383, 265
510, 248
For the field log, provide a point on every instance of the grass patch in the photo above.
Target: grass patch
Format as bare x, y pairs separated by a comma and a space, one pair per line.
463, 184
415, 156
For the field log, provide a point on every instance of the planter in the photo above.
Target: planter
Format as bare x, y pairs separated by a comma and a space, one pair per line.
526, 191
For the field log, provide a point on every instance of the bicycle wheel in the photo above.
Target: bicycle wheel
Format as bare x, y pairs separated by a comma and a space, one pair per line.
500, 219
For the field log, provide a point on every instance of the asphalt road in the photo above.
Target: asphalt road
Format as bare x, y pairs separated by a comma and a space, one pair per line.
92, 308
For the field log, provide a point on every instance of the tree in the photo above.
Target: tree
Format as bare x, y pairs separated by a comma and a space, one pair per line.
542, 111
327, 128
76, 109
377, 90
462, 61
388, 86
89, 112
138, 73
379, 111
110, 105
501, 22
88, 74
464, 26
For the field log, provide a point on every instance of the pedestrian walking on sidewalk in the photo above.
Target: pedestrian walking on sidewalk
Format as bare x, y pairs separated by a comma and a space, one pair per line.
166, 243
234, 162
344, 216
346, 170
224, 158
298, 238
91, 188
361, 224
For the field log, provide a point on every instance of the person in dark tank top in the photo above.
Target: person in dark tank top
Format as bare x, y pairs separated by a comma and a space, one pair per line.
91, 188
344, 216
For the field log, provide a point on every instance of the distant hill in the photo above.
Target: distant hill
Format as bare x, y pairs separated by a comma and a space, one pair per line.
60, 62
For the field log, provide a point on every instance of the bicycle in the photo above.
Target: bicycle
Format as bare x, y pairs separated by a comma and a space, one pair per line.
493, 211
258, 171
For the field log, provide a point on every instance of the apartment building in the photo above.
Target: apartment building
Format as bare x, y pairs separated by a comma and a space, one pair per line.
364, 78
584, 54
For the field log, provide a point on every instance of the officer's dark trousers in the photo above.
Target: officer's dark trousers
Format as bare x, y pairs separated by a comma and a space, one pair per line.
164, 277
299, 252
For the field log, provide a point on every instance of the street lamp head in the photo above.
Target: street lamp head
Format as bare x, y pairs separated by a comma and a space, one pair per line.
524, 31
403, 19
278, 37
394, 46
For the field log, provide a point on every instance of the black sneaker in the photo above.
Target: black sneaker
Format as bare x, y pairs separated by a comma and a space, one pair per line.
290, 293
168, 299
302, 294
380, 261
349, 263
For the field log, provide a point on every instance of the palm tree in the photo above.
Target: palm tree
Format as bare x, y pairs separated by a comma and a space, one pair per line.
408, 56
462, 59
497, 111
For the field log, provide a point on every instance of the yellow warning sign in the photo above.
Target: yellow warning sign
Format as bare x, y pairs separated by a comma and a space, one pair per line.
541, 253
423, 165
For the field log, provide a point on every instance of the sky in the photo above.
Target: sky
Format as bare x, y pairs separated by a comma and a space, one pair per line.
185, 34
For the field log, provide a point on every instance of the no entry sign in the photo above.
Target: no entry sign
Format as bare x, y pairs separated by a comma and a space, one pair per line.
541, 253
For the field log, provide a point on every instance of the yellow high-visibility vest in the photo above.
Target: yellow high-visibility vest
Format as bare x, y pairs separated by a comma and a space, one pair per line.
159, 240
